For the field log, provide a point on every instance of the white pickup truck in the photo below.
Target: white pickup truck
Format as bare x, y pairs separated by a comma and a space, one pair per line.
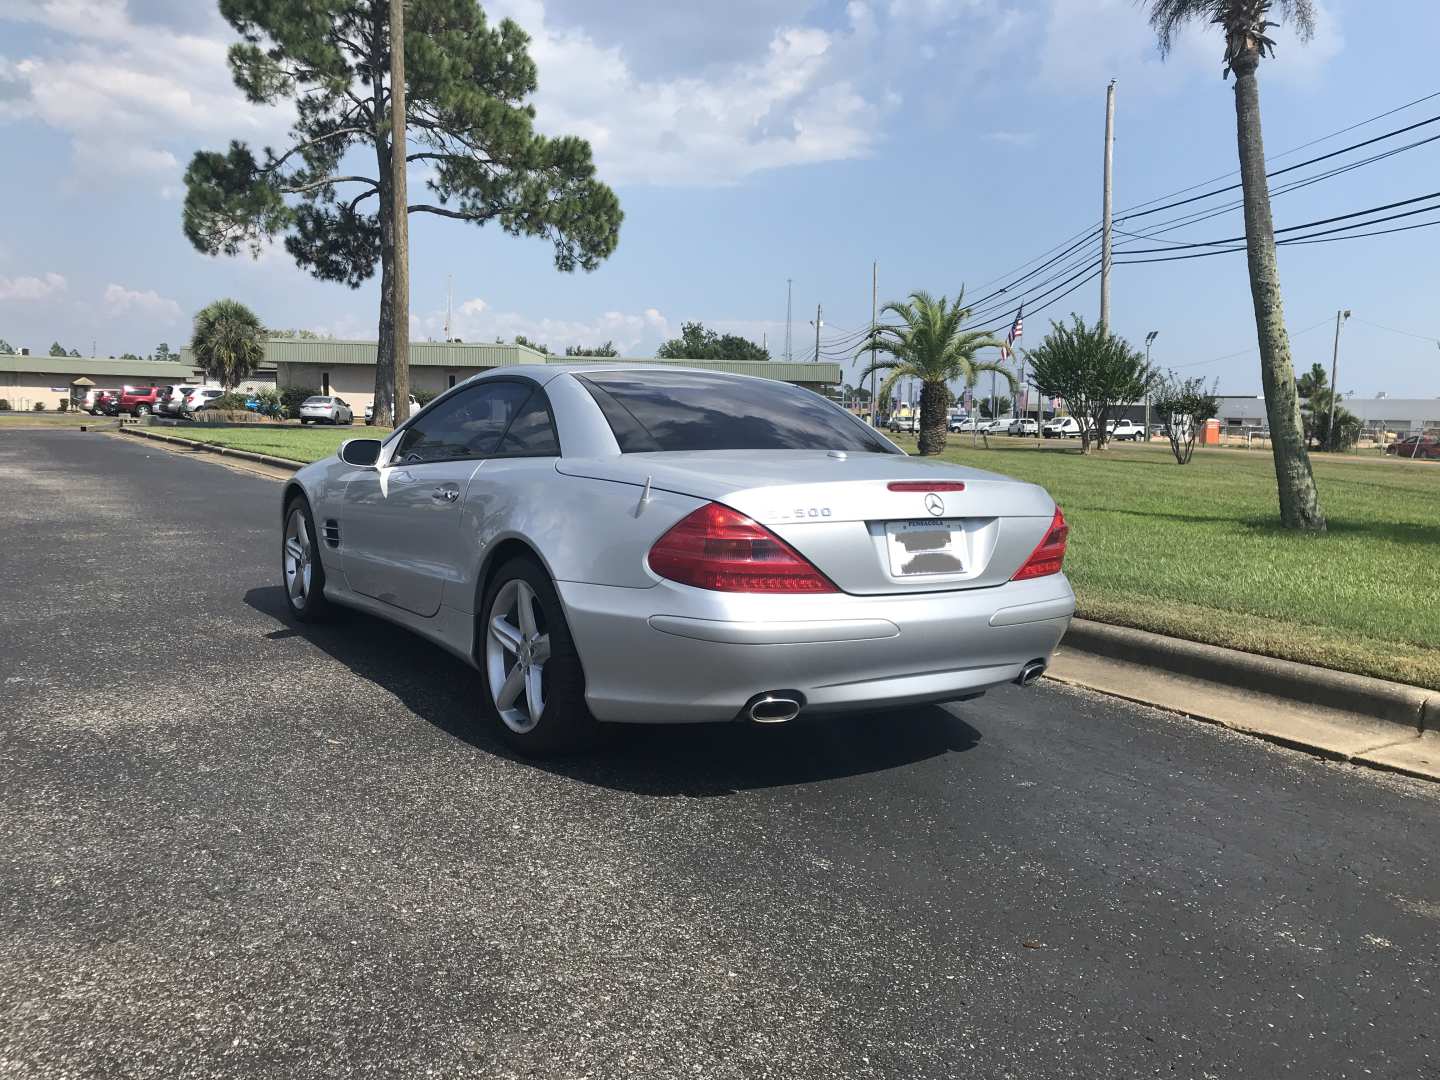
1125, 430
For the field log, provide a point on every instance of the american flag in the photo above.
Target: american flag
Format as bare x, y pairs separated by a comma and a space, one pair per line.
1017, 329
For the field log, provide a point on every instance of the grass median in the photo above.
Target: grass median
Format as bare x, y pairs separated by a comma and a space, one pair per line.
293, 443
1196, 551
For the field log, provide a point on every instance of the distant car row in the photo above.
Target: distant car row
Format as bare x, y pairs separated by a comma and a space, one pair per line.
174, 400
1062, 427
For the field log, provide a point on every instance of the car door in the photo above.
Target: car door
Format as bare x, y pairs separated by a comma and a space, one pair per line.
400, 523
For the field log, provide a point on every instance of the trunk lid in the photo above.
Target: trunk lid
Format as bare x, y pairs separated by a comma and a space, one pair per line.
839, 512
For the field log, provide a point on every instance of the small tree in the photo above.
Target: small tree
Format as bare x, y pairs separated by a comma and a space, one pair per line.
6, 349
228, 342
1185, 404
540, 347
56, 349
1092, 371
697, 343
163, 353
292, 397
608, 349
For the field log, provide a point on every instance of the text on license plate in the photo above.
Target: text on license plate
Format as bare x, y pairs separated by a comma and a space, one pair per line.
933, 546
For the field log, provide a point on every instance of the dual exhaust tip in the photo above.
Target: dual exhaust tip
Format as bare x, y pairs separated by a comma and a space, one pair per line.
782, 706
773, 707
1030, 672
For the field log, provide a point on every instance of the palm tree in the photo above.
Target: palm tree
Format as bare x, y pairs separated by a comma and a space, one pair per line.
931, 345
228, 342
1246, 24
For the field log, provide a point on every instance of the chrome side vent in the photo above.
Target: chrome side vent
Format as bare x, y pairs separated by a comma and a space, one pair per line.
332, 532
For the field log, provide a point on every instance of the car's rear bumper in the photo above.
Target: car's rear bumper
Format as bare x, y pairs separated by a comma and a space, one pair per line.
673, 654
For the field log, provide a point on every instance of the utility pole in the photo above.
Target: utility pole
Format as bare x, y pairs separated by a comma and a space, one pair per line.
874, 302
1340, 317
789, 292
401, 224
1105, 239
818, 323
1149, 340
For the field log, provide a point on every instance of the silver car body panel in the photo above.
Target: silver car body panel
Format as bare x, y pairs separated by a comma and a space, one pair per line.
657, 651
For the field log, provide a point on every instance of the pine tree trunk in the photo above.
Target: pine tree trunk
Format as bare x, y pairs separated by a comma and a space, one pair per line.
1299, 499
933, 417
385, 343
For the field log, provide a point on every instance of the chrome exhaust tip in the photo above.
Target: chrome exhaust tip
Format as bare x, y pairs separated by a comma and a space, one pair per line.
1030, 672
773, 709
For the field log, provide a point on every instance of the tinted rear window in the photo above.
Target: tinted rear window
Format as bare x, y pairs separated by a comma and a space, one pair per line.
683, 410
317, 401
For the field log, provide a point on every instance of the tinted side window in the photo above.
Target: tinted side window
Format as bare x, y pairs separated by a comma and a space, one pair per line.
464, 426
532, 432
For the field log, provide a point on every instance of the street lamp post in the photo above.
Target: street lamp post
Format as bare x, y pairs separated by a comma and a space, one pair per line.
1341, 317
1149, 340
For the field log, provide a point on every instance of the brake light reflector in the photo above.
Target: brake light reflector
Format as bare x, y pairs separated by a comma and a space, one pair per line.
718, 548
1049, 553
926, 485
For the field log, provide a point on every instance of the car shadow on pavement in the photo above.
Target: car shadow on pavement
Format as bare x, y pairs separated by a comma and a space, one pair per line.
694, 760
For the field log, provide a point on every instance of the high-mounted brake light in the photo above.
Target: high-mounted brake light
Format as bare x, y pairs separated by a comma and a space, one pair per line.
926, 485
1049, 554
718, 548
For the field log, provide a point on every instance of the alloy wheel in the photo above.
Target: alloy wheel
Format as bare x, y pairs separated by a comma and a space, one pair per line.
517, 648
298, 558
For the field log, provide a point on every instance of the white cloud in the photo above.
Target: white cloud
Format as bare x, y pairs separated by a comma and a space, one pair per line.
797, 103
32, 288
120, 301
134, 99
476, 320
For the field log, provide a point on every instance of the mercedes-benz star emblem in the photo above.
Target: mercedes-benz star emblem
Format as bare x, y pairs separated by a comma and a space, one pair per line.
935, 504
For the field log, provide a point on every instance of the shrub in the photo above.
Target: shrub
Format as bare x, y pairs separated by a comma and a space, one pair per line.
4, 404
424, 397
271, 402
292, 397
64, 405
229, 401
39, 406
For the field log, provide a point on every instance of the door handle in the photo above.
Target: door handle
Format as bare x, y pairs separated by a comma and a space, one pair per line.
445, 494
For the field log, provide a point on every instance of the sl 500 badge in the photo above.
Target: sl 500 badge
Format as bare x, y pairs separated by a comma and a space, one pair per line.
800, 513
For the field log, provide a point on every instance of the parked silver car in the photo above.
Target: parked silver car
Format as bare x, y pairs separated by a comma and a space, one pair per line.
651, 545
325, 409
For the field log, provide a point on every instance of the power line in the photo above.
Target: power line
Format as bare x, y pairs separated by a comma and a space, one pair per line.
1391, 329
1254, 348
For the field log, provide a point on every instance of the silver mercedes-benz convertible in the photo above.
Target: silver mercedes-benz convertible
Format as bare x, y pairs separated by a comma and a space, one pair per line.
664, 545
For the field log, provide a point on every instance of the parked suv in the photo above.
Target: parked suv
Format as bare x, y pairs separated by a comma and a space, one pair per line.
139, 400
199, 398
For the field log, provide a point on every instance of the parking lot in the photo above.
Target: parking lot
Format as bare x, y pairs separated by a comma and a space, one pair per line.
233, 846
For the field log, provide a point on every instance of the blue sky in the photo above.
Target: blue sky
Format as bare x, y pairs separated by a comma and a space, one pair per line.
750, 142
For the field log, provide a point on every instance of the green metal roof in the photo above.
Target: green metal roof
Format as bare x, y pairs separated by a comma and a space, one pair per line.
93, 365
422, 353
491, 355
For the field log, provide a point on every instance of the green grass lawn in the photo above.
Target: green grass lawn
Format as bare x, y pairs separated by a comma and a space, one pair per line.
288, 441
1197, 551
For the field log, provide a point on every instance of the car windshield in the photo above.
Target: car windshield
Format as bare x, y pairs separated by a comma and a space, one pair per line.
688, 410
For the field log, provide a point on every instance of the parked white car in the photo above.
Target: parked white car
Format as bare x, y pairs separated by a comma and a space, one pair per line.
969, 423
325, 409
200, 398
1062, 427
1024, 426
1125, 430
370, 409
909, 423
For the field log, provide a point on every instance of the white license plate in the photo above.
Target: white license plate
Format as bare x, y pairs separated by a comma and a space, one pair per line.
917, 548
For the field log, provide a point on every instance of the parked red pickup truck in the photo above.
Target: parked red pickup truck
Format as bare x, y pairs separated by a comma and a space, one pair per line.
139, 400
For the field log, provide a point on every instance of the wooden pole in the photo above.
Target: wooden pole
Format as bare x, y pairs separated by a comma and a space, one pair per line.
401, 198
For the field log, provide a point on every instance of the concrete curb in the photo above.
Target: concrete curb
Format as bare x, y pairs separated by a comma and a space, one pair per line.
244, 455
1410, 707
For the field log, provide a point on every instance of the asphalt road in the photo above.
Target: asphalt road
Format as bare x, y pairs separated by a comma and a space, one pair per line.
232, 847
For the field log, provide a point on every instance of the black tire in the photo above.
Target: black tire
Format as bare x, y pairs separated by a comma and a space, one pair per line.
565, 725
315, 607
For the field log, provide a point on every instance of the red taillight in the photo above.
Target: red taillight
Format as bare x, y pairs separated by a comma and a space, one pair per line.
926, 485
1049, 554
721, 549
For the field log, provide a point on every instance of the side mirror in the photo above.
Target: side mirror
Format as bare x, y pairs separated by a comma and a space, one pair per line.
362, 453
